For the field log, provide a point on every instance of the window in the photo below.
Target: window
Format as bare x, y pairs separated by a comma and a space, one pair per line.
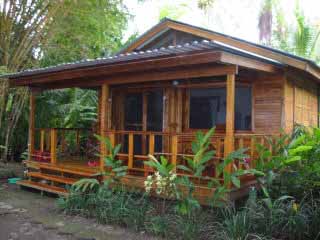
243, 108
208, 108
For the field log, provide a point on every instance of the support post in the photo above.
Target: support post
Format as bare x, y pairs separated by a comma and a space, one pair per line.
53, 145
130, 151
32, 108
230, 112
42, 136
103, 122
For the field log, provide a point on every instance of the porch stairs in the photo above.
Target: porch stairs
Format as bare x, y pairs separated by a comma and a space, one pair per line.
53, 178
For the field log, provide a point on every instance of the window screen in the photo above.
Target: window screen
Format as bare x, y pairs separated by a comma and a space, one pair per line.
208, 108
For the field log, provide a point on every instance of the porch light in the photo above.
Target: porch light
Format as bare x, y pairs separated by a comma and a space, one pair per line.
175, 83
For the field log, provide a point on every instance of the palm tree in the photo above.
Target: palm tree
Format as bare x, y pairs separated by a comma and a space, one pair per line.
301, 38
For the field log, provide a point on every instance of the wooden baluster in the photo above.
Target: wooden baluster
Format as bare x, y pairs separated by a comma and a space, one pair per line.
218, 155
112, 139
218, 148
130, 151
252, 151
151, 144
42, 137
53, 145
174, 150
151, 152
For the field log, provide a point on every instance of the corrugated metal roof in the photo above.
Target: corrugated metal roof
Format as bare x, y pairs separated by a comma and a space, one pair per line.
187, 48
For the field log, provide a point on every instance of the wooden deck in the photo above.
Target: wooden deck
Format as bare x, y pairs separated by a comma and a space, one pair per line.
55, 178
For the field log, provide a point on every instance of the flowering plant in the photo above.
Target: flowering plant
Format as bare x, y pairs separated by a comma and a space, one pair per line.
164, 179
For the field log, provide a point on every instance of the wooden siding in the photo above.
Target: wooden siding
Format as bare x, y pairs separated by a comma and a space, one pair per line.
305, 100
267, 103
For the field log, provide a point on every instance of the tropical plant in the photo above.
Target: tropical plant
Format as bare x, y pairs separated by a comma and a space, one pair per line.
229, 178
115, 168
86, 185
300, 37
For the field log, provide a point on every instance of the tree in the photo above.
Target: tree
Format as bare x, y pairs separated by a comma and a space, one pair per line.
23, 26
300, 38
94, 28
43, 32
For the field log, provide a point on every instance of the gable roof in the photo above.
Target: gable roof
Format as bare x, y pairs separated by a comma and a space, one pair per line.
244, 45
223, 54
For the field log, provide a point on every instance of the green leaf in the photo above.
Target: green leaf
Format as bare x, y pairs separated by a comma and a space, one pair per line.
235, 181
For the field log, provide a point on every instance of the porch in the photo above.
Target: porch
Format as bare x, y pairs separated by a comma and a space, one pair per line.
57, 162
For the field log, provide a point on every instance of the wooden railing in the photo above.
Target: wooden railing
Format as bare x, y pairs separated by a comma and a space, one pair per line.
136, 145
54, 143
51, 144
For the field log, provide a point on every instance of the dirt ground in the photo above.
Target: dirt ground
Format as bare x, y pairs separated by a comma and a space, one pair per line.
29, 216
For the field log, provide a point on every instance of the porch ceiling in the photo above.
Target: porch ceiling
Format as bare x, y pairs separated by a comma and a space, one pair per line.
201, 59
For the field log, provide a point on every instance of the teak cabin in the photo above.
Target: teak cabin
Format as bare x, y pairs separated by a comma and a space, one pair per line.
172, 81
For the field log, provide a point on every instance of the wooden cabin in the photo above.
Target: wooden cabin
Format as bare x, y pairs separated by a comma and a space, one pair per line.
153, 95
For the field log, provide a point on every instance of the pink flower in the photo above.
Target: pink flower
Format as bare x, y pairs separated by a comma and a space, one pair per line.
247, 160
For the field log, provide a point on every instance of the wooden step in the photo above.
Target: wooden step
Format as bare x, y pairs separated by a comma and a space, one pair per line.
43, 187
81, 173
54, 178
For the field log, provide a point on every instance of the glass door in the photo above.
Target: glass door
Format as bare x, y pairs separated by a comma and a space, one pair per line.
144, 112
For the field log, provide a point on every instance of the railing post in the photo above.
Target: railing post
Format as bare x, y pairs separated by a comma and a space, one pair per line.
112, 139
174, 150
151, 152
130, 151
151, 144
230, 112
42, 136
53, 146
32, 107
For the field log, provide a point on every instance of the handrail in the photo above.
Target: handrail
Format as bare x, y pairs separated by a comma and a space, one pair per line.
66, 129
191, 134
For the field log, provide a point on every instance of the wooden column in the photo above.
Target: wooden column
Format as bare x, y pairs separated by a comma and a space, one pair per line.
42, 137
32, 108
103, 121
53, 145
230, 113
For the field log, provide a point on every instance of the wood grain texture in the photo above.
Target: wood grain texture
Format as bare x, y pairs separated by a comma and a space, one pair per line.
230, 113
267, 103
103, 121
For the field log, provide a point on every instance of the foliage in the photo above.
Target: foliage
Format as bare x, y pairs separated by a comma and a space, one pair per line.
43, 33
300, 37
115, 169
86, 185
172, 11
279, 212
92, 29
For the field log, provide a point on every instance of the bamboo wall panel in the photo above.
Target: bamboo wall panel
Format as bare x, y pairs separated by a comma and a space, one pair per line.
267, 104
305, 102
288, 107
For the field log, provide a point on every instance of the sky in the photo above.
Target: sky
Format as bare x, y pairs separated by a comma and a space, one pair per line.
233, 17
